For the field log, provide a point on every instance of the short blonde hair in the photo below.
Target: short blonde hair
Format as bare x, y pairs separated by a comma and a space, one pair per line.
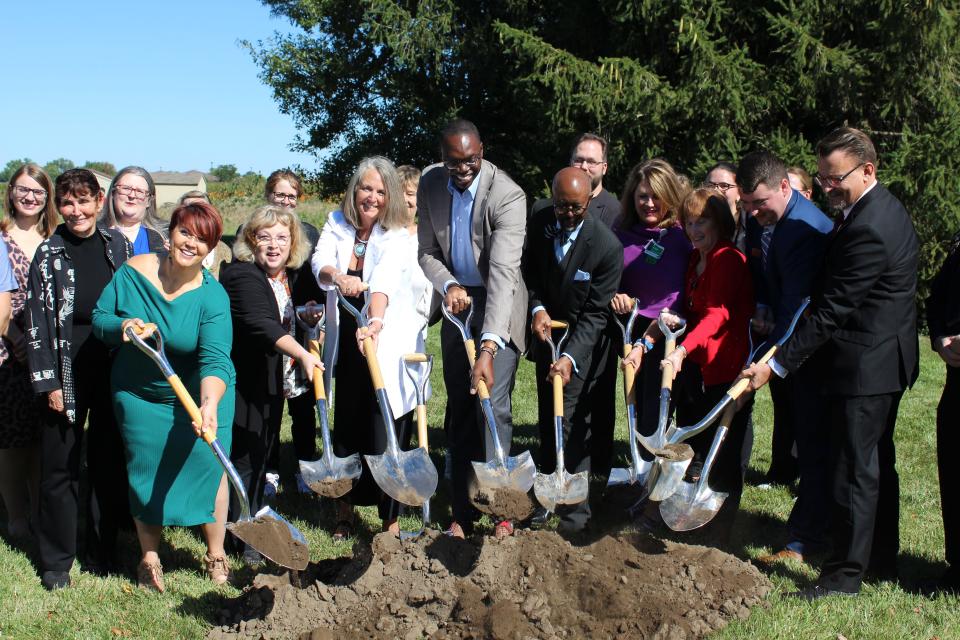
267, 216
394, 214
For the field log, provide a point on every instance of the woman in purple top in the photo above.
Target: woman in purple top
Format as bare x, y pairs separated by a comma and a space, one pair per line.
655, 256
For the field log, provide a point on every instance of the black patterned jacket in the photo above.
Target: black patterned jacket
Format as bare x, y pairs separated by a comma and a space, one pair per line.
49, 319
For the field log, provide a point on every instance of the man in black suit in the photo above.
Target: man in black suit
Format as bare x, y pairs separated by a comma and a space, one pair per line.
786, 238
572, 266
589, 153
862, 331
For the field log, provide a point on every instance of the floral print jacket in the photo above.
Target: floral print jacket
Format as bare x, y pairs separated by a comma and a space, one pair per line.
50, 318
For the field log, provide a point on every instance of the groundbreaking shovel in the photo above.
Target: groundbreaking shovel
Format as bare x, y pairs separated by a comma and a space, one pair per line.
406, 476
413, 360
671, 461
515, 473
695, 504
268, 532
637, 472
330, 476
559, 487
677, 434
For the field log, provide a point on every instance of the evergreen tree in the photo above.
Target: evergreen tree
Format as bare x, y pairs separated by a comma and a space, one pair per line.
694, 80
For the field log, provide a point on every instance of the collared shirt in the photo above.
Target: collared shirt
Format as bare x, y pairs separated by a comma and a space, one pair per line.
461, 234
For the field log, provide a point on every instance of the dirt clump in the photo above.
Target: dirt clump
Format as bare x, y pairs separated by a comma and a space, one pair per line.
534, 584
332, 488
272, 538
500, 502
676, 452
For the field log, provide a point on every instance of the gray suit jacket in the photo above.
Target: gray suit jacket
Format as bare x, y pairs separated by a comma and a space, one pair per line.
499, 230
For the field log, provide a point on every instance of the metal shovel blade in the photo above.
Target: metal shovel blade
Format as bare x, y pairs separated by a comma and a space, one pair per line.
695, 504
407, 476
687, 509
671, 463
330, 476
276, 539
561, 487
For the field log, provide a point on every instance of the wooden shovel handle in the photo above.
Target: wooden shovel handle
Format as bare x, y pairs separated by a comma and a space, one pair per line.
192, 409
140, 330
319, 392
558, 324
741, 385
666, 376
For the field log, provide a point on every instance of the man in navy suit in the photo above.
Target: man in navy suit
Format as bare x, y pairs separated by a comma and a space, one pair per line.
786, 239
862, 330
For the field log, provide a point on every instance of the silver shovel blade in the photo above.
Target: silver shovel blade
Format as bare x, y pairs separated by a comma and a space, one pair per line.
672, 462
331, 480
627, 476
516, 472
687, 509
276, 539
409, 478
560, 487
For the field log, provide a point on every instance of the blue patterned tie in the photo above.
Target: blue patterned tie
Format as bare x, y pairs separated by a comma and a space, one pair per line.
766, 236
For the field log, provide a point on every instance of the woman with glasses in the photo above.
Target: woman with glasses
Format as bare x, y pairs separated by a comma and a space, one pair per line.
30, 219
271, 363
69, 368
284, 189
722, 178
367, 241
131, 208
174, 477
655, 256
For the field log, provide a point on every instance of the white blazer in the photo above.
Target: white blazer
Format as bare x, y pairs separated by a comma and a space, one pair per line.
389, 267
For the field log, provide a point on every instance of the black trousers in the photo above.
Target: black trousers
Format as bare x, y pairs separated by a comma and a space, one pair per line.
948, 441
784, 467
358, 426
254, 443
587, 437
463, 423
303, 427
865, 512
694, 400
106, 503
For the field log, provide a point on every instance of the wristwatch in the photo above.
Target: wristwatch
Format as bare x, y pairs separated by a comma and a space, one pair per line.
489, 346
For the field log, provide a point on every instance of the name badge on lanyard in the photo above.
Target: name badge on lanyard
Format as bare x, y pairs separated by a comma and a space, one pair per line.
653, 250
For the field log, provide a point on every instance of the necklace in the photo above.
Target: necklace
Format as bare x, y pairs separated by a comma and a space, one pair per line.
360, 247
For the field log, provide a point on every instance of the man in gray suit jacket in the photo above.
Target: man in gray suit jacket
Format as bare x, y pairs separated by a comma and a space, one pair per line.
472, 224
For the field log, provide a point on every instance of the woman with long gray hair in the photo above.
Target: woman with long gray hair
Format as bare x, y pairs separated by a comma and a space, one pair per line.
131, 208
366, 241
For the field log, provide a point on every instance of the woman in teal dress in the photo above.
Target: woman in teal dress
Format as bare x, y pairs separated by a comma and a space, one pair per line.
174, 477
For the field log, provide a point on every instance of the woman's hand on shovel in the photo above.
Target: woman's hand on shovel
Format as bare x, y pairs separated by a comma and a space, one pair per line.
634, 358
208, 411
372, 331
139, 327
309, 362
675, 360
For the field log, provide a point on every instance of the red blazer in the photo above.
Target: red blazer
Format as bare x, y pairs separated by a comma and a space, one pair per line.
718, 306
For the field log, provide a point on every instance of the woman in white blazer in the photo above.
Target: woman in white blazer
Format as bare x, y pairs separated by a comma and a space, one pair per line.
366, 240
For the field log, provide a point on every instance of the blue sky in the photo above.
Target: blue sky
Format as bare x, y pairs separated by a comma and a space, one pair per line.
164, 85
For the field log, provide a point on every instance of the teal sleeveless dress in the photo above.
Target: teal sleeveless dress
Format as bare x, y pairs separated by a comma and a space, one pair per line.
174, 476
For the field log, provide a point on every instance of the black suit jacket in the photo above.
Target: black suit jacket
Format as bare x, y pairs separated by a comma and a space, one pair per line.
605, 208
863, 317
584, 301
943, 305
256, 329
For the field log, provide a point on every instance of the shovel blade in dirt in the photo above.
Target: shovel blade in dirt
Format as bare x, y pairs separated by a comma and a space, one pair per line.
670, 471
330, 476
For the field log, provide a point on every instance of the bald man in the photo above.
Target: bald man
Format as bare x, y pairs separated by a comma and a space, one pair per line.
572, 266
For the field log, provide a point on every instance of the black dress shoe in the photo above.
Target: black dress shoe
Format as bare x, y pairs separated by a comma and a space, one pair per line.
539, 518
816, 592
53, 580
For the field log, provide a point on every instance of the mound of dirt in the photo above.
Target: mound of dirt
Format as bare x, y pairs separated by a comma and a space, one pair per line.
501, 503
532, 585
332, 488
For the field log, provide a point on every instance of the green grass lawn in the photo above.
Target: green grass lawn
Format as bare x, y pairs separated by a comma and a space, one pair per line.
113, 607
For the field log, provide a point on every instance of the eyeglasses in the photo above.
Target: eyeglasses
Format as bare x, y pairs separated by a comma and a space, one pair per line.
570, 207
267, 239
126, 190
831, 182
284, 197
23, 192
722, 187
578, 161
453, 164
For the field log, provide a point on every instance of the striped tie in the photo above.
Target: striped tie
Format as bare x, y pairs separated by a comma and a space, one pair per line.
766, 236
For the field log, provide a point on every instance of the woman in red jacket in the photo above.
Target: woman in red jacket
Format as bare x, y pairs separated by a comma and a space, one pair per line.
718, 304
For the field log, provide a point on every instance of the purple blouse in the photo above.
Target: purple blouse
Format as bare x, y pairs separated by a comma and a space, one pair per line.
656, 284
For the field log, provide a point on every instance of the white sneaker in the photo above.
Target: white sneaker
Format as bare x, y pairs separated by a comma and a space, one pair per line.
301, 485
272, 485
